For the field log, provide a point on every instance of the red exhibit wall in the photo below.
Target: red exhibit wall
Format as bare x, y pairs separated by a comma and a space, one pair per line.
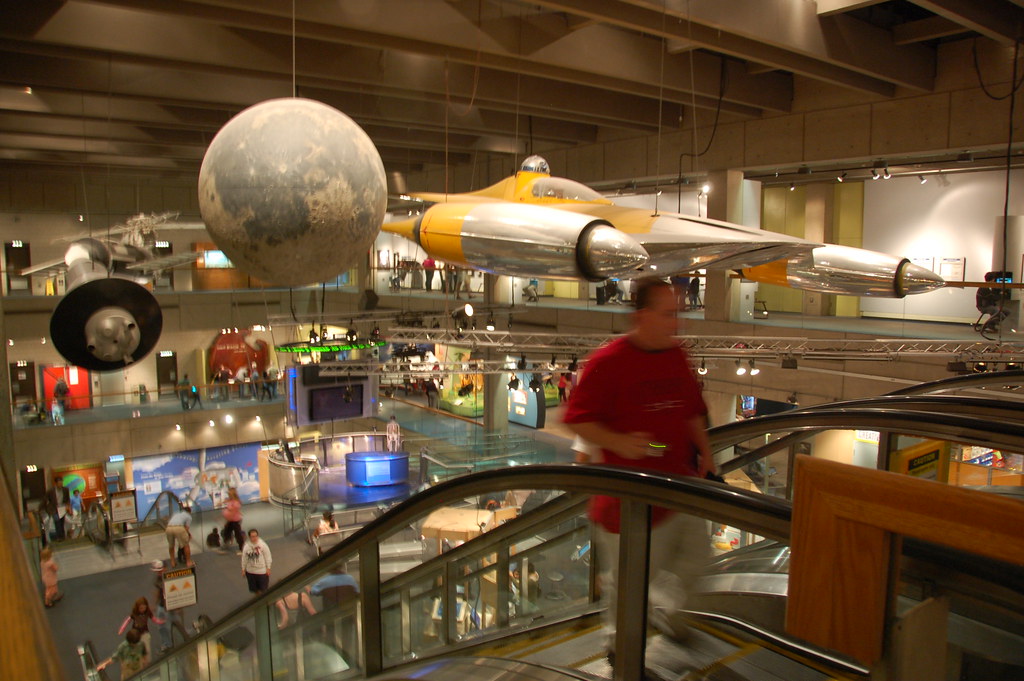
79, 396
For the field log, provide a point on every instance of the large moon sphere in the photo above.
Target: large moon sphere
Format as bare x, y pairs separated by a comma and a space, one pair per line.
293, 191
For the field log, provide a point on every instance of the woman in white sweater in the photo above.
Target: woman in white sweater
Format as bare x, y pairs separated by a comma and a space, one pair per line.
256, 560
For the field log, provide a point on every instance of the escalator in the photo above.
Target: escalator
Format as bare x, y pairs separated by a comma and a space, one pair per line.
520, 588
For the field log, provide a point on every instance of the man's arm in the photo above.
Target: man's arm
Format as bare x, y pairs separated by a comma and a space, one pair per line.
697, 426
626, 445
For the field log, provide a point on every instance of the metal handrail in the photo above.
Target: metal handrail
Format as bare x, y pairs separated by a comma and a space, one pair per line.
763, 515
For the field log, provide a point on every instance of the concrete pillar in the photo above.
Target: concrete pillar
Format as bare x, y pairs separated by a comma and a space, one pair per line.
495, 391
818, 209
725, 202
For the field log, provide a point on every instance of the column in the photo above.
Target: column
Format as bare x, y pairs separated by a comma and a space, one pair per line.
725, 202
495, 391
818, 209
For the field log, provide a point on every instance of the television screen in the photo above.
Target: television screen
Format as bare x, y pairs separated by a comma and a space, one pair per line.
343, 401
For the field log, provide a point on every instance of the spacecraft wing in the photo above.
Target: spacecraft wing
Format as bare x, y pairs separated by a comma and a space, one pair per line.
164, 262
49, 268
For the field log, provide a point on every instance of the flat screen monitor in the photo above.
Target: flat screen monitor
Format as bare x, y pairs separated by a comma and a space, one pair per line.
344, 401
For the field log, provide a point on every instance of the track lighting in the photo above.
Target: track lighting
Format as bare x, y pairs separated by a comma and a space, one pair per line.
513, 383
740, 369
874, 174
490, 324
754, 371
842, 177
702, 369
886, 174
922, 178
792, 186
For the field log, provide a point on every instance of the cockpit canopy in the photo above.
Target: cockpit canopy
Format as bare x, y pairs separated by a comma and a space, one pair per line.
535, 164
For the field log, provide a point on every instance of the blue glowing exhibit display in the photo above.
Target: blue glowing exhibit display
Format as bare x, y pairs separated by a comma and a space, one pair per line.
373, 469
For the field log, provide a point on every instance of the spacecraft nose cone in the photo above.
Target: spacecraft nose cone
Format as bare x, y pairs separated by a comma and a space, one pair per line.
606, 252
916, 279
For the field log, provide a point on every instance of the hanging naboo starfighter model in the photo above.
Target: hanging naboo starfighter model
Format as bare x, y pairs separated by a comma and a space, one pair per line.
536, 225
108, 317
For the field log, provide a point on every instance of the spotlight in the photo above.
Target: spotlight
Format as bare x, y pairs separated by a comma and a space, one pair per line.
1013, 366
258, 419
875, 174
212, 424
535, 385
229, 419
347, 394
703, 369
465, 390
980, 367
313, 338
754, 371
922, 178
573, 365
513, 383
886, 174
792, 187
177, 426
521, 364
469, 309
490, 324
705, 188
842, 177
788, 362
740, 369
376, 333
792, 399
323, 332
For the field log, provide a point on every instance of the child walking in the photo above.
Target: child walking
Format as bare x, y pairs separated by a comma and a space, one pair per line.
48, 569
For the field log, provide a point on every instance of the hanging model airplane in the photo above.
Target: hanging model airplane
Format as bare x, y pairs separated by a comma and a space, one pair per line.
533, 224
109, 318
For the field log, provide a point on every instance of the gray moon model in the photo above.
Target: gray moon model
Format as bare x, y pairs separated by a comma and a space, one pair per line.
293, 191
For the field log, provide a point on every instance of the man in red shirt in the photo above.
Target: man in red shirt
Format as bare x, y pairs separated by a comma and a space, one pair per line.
639, 403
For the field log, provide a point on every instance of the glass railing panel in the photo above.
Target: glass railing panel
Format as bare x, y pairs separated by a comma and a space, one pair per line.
413, 617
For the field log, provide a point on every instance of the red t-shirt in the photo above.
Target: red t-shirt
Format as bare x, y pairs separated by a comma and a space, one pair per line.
632, 390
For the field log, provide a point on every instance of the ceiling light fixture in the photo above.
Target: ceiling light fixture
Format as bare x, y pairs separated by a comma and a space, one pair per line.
490, 324
886, 174
922, 178
792, 186
702, 369
521, 364
573, 365
706, 188
740, 369
513, 383
754, 371
841, 177
874, 174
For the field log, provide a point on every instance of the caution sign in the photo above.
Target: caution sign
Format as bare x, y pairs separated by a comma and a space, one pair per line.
122, 507
180, 588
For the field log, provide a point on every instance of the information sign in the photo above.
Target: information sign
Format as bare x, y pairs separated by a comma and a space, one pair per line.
180, 588
122, 507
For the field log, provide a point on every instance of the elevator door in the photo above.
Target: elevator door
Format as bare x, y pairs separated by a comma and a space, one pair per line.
23, 382
166, 372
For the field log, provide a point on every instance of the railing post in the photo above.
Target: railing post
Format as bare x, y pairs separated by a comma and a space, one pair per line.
369, 581
264, 643
631, 591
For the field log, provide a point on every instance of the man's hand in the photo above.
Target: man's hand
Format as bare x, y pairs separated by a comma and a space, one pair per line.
633, 445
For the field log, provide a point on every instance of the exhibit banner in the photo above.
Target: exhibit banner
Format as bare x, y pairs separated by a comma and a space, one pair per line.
200, 477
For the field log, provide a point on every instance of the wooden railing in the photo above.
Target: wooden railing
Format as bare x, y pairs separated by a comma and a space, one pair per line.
27, 652
846, 531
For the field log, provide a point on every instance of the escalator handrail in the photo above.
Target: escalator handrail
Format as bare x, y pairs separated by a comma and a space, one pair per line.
937, 404
706, 499
941, 425
766, 515
963, 382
